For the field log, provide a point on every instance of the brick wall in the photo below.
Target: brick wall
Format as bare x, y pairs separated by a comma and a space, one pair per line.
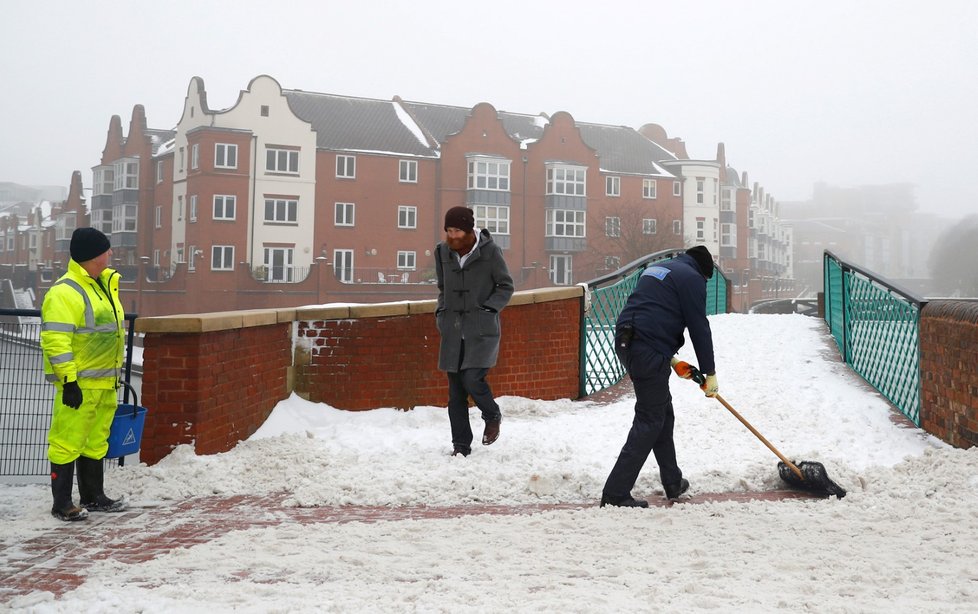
949, 375
213, 379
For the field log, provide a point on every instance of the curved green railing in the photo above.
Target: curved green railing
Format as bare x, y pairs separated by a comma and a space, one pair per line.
876, 325
600, 367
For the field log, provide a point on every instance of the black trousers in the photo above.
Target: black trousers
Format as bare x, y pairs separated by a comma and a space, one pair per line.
651, 429
461, 385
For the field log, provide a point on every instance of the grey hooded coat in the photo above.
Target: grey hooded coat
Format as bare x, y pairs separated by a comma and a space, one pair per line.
469, 301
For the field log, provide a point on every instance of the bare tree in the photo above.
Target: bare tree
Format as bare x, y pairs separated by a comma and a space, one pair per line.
954, 259
625, 233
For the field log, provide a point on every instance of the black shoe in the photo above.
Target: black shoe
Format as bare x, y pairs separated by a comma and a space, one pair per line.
626, 502
491, 433
674, 491
460, 450
104, 504
70, 514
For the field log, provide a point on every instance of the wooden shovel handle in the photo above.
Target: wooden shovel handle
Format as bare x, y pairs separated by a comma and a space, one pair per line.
784, 460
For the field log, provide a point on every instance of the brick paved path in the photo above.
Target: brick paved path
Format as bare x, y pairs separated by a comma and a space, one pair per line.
57, 560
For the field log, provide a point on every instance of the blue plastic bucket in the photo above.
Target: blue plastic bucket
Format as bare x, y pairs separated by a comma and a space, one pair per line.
127, 428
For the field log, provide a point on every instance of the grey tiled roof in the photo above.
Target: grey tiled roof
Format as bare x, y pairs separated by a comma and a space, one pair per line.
442, 121
159, 137
623, 150
355, 124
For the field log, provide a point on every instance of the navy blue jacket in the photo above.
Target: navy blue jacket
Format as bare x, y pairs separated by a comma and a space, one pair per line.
671, 296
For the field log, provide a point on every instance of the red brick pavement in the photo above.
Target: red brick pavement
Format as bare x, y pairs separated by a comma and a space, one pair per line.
57, 561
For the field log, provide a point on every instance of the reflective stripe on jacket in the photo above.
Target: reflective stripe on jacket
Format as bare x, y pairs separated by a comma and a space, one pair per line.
82, 329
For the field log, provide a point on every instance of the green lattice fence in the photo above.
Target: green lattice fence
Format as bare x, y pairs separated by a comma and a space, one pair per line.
876, 325
600, 367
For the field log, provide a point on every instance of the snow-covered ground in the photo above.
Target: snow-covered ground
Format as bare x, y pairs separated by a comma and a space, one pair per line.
904, 539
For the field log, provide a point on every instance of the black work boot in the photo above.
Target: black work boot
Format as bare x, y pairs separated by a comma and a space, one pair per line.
674, 491
61, 482
90, 490
628, 501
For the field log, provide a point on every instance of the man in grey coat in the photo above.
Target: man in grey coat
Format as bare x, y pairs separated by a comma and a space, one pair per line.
474, 285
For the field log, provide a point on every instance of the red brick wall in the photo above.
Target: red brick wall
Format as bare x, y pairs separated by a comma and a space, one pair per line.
949, 376
212, 388
213, 379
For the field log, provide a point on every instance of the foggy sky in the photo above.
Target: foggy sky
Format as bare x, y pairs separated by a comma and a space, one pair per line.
849, 93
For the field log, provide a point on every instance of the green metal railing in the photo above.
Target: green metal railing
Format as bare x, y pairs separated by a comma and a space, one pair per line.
600, 367
876, 325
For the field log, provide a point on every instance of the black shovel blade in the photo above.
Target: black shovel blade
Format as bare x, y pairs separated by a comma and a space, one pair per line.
816, 478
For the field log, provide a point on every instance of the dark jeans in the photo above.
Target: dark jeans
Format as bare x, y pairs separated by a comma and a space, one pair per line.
651, 428
462, 385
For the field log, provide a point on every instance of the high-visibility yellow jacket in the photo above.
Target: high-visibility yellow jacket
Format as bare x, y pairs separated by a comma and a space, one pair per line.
82, 334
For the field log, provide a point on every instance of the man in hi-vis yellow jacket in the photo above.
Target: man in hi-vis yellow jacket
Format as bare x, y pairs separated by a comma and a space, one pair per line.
83, 342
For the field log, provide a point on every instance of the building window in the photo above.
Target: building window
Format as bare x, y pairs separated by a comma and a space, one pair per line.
700, 228
716, 190
222, 258
612, 186
179, 208
281, 210
489, 175
612, 263
406, 260
677, 227
282, 161
102, 219
677, 188
407, 216
728, 235
126, 175
156, 257
562, 270
193, 208
567, 180
343, 214
195, 155
565, 223
699, 191
493, 218
612, 226
183, 160
124, 218
346, 167
716, 229
104, 181
649, 226
224, 206
408, 172
726, 202
158, 222
278, 264
192, 263
159, 171
264, 110
648, 188
343, 265
225, 155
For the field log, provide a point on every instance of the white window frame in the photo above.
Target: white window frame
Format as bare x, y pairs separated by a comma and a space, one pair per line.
279, 273
701, 229
156, 257
346, 166
612, 263
726, 201
125, 217
728, 235
566, 223
407, 171
125, 174
284, 211
193, 208
343, 263
612, 226
222, 257
180, 208
344, 214
158, 221
569, 180
612, 186
650, 226
677, 188
192, 262
224, 204
407, 216
677, 227
489, 174
103, 180
561, 269
649, 189
195, 156
494, 218
225, 155
102, 219
700, 190
407, 260
281, 161
159, 171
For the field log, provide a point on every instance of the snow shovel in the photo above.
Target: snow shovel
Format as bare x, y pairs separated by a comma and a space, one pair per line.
807, 475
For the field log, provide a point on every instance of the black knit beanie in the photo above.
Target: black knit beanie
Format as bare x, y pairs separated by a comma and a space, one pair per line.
88, 243
460, 217
703, 259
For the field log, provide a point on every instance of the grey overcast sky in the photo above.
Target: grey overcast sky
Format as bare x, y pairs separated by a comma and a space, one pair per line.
841, 91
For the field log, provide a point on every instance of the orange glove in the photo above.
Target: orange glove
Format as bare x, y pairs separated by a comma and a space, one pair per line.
682, 368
